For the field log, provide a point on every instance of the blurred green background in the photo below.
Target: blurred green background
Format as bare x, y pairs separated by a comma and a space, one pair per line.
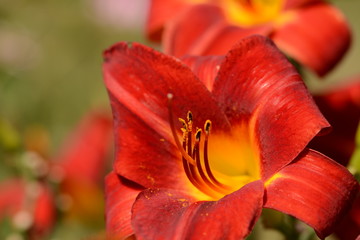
50, 77
51, 57
50, 62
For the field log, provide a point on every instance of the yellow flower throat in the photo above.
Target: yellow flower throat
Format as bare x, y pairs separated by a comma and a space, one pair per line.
234, 162
252, 12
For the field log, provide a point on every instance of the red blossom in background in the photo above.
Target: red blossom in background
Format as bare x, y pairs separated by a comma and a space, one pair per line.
82, 163
341, 107
30, 206
349, 227
312, 32
249, 150
78, 168
86, 149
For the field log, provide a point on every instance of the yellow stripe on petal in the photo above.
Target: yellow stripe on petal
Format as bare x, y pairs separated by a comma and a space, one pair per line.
273, 178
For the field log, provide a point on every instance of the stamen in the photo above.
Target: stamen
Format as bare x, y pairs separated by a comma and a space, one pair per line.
173, 131
196, 156
192, 164
189, 116
207, 127
198, 135
189, 143
187, 166
185, 126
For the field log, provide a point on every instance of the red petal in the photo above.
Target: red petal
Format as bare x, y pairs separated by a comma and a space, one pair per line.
299, 3
11, 196
44, 213
85, 153
191, 31
259, 87
314, 189
14, 198
318, 37
341, 107
141, 78
143, 155
205, 68
203, 30
160, 13
120, 196
138, 80
230, 35
161, 214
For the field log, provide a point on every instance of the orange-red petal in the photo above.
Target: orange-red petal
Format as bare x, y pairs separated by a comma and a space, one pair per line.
160, 12
192, 30
314, 189
120, 196
257, 84
162, 214
316, 36
205, 68
143, 155
230, 35
203, 30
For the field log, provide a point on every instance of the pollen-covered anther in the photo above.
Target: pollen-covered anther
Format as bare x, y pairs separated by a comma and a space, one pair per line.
173, 131
185, 127
189, 116
207, 127
198, 135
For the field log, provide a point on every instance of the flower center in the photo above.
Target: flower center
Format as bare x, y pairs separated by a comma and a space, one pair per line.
233, 163
252, 12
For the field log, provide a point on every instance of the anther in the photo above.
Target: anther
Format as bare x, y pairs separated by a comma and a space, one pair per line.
173, 131
198, 135
207, 127
189, 116
183, 122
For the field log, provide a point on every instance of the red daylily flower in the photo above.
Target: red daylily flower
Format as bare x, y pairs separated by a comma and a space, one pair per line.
312, 32
30, 206
240, 145
341, 107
